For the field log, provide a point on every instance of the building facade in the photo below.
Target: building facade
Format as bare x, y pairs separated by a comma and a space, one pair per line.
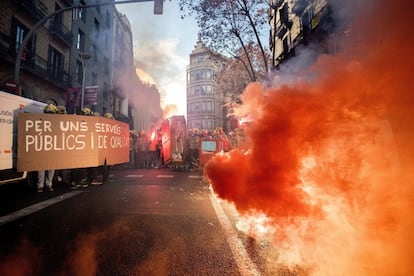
91, 55
292, 23
44, 64
123, 67
74, 48
204, 105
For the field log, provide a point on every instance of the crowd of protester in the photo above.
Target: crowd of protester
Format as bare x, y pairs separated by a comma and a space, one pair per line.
146, 149
146, 152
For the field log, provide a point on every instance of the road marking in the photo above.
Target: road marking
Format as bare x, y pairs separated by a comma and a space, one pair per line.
243, 261
195, 176
36, 207
165, 176
134, 175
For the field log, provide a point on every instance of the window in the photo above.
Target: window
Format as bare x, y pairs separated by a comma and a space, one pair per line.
198, 59
201, 74
79, 71
197, 75
80, 13
58, 19
191, 91
208, 74
195, 108
207, 107
208, 89
55, 65
20, 32
80, 41
203, 90
207, 123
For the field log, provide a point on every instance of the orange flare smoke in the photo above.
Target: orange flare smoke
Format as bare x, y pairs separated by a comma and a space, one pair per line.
331, 156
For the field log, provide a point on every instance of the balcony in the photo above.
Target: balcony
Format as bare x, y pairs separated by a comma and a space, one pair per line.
281, 31
41, 68
61, 32
34, 8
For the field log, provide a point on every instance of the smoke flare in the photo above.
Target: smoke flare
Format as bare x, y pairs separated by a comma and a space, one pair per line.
331, 155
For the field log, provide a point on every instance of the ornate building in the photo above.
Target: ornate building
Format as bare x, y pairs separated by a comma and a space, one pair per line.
204, 106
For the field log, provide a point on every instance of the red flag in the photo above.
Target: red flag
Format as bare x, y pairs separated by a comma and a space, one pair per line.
73, 97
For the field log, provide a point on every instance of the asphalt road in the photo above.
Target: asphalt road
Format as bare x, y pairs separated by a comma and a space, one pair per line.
144, 222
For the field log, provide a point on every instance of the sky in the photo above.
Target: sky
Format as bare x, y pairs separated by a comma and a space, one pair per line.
162, 45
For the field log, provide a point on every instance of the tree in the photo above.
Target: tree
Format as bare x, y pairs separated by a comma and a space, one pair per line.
234, 77
233, 28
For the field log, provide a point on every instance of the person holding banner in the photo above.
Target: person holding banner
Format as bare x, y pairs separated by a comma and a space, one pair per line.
63, 174
92, 172
106, 168
79, 177
45, 177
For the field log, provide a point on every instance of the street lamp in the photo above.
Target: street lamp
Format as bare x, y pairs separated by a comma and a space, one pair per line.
84, 58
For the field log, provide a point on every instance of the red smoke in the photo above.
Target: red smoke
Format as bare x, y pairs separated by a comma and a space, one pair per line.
331, 156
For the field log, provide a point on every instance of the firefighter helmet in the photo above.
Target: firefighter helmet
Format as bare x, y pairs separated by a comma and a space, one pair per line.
86, 111
60, 109
108, 115
50, 108
96, 114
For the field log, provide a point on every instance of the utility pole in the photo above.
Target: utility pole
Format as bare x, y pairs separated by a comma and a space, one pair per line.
158, 9
84, 57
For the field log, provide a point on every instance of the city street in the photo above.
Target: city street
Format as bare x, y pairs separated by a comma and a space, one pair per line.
144, 222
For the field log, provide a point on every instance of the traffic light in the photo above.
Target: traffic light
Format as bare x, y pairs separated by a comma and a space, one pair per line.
158, 6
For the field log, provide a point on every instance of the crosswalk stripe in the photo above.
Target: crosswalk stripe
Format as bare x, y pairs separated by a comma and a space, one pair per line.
134, 175
165, 176
36, 207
